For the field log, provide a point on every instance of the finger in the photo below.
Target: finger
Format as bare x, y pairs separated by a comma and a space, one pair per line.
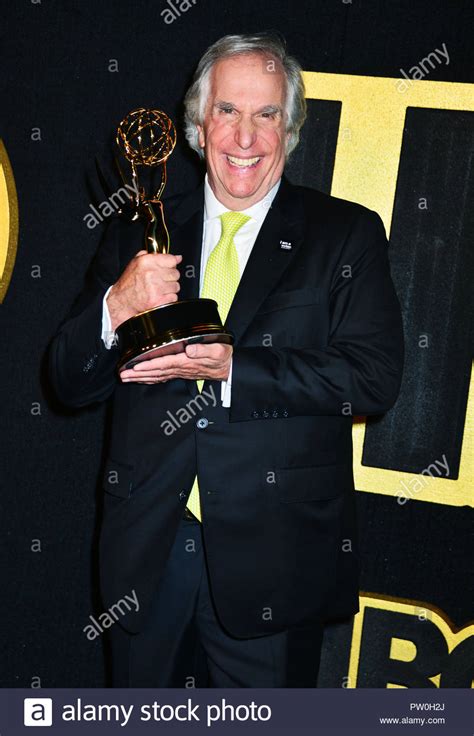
157, 297
148, 381
166, 362
170, 286
170, 274
162, 260
213, 351
130, 375
162, 300
157, 280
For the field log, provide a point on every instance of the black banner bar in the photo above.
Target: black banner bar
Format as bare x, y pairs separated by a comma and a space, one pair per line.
257, 711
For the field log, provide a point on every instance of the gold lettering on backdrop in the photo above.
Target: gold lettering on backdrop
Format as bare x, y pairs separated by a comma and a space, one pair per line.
8, 221
365, 170
403, 649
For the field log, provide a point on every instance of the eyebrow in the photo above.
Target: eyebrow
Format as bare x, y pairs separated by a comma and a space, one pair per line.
223, 104
273, 109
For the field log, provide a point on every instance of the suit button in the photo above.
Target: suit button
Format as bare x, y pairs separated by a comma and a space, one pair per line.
265, 414
255, 414
182, 495
275, 414
285, 413
202, 423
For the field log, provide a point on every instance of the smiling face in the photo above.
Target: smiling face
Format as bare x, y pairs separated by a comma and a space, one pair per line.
243, 132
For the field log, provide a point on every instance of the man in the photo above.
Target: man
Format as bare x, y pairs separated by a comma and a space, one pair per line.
237, 530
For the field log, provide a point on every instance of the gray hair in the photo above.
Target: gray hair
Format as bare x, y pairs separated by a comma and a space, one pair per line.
266, 44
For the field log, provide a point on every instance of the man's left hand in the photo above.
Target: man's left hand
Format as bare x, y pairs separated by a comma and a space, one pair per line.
198, 362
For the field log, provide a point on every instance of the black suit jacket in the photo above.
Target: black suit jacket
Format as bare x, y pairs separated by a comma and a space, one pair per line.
318, 338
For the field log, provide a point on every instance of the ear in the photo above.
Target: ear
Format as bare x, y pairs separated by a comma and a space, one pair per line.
201, 136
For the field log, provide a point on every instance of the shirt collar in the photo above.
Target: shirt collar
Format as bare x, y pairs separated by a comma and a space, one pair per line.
213, 208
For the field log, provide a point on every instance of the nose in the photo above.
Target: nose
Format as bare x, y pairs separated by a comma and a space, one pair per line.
245, 133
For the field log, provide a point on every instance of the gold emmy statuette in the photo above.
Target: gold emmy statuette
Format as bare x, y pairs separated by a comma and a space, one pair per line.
147, 138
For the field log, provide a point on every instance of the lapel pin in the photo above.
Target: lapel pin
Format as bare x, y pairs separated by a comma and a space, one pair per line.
285, 245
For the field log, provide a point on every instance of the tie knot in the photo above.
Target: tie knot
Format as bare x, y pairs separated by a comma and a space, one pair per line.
232, 222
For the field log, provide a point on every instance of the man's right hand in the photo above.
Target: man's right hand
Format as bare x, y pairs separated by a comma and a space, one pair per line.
150, 280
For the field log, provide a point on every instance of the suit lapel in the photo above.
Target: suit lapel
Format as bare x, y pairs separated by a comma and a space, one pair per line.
185, 230
278, 240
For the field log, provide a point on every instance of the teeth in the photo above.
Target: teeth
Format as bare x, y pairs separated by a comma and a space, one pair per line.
243, 161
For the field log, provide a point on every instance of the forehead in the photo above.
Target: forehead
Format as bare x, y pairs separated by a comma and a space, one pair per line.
251, 79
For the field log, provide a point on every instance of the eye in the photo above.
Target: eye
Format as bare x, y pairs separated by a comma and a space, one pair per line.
270, 116
226, 110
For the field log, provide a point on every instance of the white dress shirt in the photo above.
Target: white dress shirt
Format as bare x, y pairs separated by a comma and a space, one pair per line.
244, 241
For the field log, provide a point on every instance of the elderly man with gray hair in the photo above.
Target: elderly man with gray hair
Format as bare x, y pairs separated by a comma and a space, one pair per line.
228, 491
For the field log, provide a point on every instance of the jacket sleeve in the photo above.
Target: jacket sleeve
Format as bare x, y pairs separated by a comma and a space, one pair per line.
359, 372
81, 368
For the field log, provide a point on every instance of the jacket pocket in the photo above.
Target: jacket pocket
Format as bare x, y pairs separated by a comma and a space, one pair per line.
288, 299
117, 478
311, 483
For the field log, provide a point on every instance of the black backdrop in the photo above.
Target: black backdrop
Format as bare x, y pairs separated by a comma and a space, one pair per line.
70, 70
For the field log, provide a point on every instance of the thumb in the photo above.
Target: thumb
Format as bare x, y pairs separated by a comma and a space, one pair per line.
192, 351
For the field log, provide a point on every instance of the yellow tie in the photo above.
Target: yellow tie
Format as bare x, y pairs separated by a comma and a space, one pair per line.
221, 280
